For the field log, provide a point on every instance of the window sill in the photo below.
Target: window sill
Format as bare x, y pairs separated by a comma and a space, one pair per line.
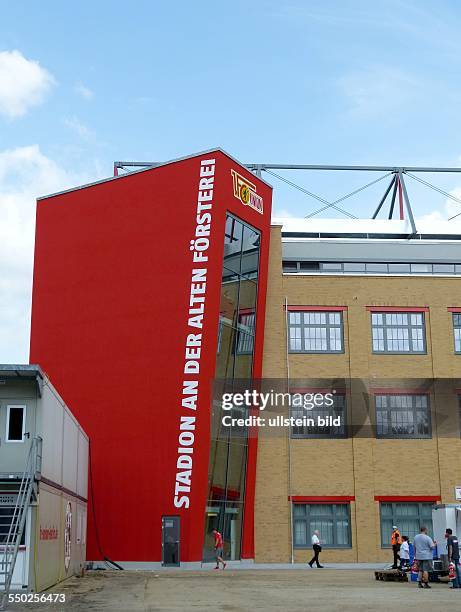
324, 547
390, 353
316, 352
404, 437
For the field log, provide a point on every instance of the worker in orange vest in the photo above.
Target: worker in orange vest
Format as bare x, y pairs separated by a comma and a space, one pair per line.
396, 541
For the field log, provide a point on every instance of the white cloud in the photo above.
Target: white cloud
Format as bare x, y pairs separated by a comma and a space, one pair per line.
450, 208
23, 83
25, 174
378, 90
85, 92
281, 213
79, 128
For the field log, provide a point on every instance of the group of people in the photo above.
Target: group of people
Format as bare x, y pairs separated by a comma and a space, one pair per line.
423, 548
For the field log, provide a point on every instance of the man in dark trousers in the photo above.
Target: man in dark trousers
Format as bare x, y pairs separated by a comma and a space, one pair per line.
453, 555
396, 541
317, 549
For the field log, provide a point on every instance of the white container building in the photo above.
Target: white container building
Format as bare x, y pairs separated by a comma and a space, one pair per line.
43, 483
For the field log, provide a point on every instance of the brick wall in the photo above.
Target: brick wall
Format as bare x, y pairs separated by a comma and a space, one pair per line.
362, 467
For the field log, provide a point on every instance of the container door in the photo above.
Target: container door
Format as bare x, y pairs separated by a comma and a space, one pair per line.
170, 540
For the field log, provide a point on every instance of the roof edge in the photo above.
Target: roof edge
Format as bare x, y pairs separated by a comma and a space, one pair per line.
171, 161
17, 368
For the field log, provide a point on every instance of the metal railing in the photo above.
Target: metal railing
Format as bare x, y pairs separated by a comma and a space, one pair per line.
18, 518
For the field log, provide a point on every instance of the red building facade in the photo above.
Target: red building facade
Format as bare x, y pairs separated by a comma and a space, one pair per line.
147, 287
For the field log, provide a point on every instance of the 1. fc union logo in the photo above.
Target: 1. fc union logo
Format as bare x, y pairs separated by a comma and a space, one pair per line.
246, 192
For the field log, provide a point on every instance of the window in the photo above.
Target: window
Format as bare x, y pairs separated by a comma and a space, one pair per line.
354, 267
6, 518
15, 423
238, 300
457, 331
331, 520
315, 332
398, 332
310, 265
245, 338
403, 416
392, 268
444, 268
399, 268
419, 268
329, 431
409, 518
332, 267
290, 266
377, 267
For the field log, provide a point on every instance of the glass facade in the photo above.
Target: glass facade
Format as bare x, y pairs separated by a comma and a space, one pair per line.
234, 368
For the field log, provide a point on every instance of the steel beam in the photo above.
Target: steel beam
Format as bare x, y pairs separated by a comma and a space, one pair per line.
358, 168
407, 202
383, 199
260, 167
394, 194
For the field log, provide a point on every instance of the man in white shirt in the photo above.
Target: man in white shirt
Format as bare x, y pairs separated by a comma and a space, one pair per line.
317, 549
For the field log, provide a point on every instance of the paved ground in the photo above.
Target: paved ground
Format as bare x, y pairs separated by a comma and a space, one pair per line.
317, 590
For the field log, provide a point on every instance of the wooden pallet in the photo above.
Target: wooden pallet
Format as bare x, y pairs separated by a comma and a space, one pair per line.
391, 575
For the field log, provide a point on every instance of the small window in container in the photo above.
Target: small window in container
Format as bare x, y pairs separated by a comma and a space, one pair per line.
15, 423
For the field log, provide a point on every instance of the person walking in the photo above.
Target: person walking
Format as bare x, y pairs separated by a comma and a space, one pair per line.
317, 549
404, 553
424, 546
219, 550
396, 541
453, 556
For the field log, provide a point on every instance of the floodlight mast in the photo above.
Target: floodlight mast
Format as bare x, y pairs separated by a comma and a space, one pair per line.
397, 184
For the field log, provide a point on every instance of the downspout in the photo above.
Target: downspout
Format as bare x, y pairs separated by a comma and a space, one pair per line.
289, 434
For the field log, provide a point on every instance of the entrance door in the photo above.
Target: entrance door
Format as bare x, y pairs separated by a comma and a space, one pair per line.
170, 540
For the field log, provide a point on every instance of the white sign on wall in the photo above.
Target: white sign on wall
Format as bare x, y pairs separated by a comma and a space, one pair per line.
458, 493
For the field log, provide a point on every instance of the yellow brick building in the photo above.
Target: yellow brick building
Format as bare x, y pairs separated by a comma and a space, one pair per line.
393, 338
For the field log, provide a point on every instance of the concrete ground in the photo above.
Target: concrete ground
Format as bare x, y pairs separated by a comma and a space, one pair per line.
325, 590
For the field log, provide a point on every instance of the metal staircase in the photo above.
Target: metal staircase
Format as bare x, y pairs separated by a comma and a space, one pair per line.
26, 493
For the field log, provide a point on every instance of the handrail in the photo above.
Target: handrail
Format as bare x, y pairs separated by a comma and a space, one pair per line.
11, 546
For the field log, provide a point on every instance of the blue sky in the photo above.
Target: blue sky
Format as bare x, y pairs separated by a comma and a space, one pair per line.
85, 83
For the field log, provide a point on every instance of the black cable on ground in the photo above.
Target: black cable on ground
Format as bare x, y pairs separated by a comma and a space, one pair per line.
93, 512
